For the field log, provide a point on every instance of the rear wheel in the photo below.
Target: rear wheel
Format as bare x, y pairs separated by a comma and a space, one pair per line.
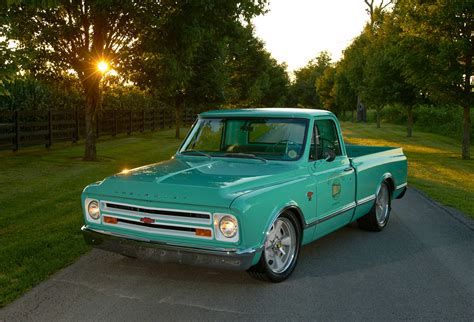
280, 254
377, 218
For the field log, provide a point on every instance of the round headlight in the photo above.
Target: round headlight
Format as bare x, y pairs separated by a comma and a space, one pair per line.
228, 226
93, 209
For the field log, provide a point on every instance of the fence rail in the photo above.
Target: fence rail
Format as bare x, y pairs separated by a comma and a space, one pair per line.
20, 129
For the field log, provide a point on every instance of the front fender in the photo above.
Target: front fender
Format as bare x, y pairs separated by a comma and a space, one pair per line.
258, 210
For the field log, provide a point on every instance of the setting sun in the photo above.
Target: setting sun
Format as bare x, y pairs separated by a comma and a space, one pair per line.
102, 66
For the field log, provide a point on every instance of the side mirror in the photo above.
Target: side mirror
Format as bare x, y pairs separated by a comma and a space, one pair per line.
329, 155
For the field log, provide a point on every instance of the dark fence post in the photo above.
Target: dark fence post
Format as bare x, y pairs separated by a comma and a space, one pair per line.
115, 122
130, 122
50, 129
75, 136
163, 115
16, 140
153, 120
171, 120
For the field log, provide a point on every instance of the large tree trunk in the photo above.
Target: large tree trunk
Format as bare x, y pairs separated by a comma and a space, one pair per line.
409, 121
466, 133
378, 111
91, 87
178, 106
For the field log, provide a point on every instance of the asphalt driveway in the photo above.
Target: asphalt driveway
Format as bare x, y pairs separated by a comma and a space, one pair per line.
420, 267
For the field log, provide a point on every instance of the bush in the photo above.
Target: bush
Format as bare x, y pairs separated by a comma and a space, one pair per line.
446, 120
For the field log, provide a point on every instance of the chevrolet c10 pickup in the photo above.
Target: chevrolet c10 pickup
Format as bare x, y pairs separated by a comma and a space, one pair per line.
245, 190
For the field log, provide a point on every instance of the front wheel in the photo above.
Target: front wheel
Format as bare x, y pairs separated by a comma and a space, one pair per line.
282, 247
377, 218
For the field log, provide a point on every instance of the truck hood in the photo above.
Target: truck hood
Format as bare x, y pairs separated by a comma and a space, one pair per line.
194, 180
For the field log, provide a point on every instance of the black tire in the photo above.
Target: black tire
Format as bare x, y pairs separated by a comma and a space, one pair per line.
263, 269
373, 221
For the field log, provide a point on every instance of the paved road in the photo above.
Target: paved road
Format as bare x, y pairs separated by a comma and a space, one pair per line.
420, 267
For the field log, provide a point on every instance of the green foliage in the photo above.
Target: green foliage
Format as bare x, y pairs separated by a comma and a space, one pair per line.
303, 90
439, 47
439, 119
256, 79
28, 93
324, 88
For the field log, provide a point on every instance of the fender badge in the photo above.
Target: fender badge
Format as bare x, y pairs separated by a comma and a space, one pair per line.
147, 220
309, 194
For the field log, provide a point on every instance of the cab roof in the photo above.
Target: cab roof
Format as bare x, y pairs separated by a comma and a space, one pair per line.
267, 112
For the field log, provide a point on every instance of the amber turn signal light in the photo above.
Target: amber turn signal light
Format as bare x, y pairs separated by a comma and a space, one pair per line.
203, 232
110, 220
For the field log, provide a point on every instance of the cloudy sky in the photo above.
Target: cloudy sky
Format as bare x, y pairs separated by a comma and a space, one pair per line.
295, 31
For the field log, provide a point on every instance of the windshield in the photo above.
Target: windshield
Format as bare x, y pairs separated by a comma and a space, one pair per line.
258, 138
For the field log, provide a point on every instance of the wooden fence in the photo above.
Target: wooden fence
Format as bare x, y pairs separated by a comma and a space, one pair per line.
20, 129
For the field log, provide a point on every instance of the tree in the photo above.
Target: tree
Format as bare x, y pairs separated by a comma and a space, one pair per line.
170, 42
383, 81
440, 38
76, 35
344, 94
324, 89
256, 79
303, 89
352, 66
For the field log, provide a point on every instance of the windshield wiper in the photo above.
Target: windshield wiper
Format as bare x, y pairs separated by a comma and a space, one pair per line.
190, 152
245, 155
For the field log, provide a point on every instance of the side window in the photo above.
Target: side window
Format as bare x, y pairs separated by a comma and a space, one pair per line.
324, 138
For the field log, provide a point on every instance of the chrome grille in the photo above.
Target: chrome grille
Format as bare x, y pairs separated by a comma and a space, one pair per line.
161, 214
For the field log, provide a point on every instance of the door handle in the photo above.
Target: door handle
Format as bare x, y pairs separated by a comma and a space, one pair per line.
348, 169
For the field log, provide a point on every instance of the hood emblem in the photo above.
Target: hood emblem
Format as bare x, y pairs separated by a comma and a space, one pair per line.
147, 220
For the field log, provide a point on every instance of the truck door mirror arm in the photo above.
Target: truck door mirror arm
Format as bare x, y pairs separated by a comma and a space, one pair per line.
329, 155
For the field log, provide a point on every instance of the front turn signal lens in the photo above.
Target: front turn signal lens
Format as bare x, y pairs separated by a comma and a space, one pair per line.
110, 220
203, 232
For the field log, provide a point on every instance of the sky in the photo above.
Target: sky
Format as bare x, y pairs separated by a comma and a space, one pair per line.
295, 31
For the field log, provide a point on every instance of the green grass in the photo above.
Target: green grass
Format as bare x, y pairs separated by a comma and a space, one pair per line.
434, 161
40, 211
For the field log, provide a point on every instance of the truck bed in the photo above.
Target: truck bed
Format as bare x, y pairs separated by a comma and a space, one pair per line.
372, 165
360, 151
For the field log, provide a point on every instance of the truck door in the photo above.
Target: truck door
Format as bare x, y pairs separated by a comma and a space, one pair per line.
333, 176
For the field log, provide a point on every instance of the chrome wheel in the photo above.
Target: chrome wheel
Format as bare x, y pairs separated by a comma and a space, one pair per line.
382, 204
280, 245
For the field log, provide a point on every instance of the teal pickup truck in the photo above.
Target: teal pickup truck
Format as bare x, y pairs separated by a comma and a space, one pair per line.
245, 190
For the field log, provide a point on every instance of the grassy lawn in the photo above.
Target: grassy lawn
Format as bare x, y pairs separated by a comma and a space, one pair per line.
40, 211
434, 162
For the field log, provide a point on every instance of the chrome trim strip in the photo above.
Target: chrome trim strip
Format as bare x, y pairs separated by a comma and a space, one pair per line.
365, 200
347, 207
103, 207
401, 186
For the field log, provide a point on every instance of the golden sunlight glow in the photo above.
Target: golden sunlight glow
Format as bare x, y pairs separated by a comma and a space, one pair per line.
103, 66
125, 171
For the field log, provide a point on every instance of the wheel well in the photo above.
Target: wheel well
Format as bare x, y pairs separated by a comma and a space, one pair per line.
298, 214
391, 184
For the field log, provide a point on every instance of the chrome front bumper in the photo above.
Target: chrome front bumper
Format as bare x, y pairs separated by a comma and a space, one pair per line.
164, 252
